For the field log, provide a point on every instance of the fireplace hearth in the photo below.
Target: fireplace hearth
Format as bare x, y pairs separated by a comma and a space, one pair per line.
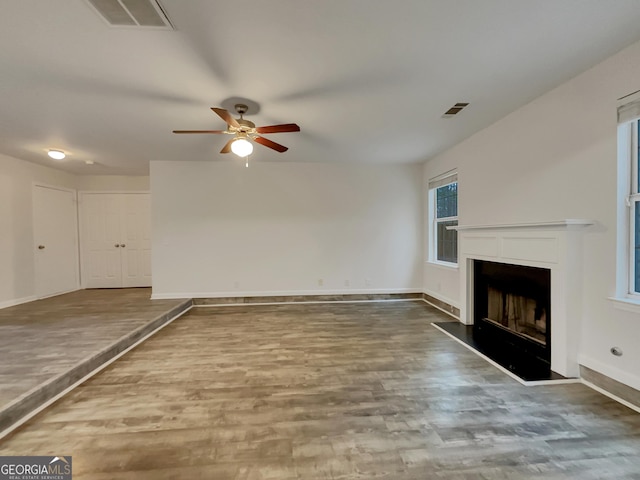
512, 315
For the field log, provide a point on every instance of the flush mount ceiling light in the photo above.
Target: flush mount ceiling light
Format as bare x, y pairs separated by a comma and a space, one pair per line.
56, 154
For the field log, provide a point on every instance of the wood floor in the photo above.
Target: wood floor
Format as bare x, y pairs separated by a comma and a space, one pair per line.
49, 344
325, 391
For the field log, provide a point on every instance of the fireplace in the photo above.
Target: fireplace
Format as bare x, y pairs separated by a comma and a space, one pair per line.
554, 246
512, 315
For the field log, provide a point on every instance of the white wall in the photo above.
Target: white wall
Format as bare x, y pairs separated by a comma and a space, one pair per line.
275, 229
552, 159
113, 183
17, 264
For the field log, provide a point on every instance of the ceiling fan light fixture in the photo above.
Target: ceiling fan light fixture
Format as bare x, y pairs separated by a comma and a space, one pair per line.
243, 130
56, 154
242, 147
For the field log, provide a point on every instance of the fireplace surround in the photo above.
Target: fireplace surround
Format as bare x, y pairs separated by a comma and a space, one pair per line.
552, 246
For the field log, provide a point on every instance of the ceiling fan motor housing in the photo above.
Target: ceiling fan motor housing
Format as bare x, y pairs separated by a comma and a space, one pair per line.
245, 125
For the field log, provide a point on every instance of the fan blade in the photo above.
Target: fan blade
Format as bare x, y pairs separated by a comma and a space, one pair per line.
226, 116
287, 127
227, 146
199, 131
268, 143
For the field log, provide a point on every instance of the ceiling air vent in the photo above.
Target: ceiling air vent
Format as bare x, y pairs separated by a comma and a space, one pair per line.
132, 13
456, 109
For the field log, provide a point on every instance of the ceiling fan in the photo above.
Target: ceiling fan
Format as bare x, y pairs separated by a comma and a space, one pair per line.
245, 130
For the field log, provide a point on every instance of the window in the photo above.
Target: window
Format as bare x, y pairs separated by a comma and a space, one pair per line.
629, 197
634, 211
443, 213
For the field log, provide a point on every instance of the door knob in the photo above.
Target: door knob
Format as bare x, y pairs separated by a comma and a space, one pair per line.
40, 247
123, 245
117, 245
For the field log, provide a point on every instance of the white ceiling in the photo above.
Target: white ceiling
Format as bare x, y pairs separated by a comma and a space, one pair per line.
366, 80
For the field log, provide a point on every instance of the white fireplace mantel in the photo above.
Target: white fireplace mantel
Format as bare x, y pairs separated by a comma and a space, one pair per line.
555, 245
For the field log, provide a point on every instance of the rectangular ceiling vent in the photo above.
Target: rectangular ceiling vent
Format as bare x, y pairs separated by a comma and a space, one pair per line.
132, 13
456, 109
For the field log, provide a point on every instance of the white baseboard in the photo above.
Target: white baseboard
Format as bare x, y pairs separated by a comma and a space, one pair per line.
281, 293
442, 298
611, 395
614, 373
440, 308
17, 301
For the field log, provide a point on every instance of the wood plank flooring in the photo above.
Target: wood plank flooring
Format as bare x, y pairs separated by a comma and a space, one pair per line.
49, 344
325, 391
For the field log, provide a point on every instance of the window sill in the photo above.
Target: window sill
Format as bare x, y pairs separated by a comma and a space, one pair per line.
627, 304
444, 266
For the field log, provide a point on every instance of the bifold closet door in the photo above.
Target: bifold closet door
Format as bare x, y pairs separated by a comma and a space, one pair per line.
116, 240
135, 245
100, 240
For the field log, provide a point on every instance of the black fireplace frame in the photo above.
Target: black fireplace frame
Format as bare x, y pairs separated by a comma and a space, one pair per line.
510, 349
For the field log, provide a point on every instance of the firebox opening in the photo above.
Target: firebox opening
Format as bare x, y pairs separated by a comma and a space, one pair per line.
512, 315
519, 314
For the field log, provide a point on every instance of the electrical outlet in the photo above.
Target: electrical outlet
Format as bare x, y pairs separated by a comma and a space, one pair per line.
347, 283
320, 282
367, 282
236, 284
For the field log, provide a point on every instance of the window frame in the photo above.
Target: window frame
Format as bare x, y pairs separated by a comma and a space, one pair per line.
628, 197
434, 221
632, 201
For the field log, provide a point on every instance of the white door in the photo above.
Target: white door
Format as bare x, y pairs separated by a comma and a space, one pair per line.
135, 246
55, 240
115, 240
100, 240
